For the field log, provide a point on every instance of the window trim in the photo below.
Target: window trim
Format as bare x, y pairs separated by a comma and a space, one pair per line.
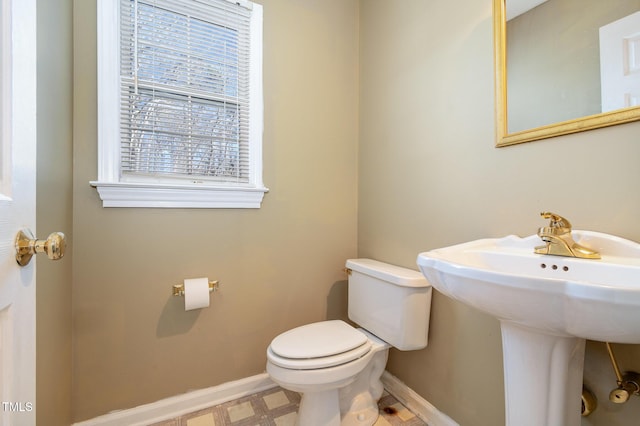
115, 192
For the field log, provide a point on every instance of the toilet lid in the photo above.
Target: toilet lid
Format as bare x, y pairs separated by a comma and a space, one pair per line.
317, 340
319, 363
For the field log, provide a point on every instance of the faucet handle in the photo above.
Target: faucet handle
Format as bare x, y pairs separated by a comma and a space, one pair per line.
557, 221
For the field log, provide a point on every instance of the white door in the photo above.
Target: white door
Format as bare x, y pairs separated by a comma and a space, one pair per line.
620, 63
17, 210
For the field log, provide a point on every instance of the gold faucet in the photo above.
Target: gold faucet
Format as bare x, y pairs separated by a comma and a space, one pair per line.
558, 239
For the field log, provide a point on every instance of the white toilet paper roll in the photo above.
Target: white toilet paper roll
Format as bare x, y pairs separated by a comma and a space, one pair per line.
196, 293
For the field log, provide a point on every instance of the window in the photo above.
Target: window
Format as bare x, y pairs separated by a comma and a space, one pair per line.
180, 103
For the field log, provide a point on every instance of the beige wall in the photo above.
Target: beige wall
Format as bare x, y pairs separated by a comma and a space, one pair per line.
430, 176
54, 200
279, 266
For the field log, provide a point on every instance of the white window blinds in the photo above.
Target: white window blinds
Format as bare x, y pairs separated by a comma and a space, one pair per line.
184, 90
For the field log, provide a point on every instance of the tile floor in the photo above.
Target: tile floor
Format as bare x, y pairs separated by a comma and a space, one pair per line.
277, 407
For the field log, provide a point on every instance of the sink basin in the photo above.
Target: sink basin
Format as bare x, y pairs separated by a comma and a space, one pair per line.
596, 299
547, 306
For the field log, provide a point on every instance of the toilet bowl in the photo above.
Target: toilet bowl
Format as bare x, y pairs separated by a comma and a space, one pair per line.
333, 385
337, 367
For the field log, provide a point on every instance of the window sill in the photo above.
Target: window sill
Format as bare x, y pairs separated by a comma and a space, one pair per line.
119, 194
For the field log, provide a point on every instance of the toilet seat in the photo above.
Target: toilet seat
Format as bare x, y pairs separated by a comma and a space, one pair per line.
318, 345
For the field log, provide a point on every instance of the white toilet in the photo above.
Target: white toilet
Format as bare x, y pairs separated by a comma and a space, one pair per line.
336, 367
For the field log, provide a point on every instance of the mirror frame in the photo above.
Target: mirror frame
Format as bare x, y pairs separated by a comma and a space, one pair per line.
503, 137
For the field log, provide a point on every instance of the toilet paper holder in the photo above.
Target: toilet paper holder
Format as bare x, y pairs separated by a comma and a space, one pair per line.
178, 289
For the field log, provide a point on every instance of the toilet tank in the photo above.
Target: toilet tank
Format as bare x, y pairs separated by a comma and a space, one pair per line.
391, 302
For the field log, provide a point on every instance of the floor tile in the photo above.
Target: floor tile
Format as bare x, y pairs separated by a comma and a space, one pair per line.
240, 411
275, 400
278, 407
402, 412
204, 420
286, 420
381, 422
172, 422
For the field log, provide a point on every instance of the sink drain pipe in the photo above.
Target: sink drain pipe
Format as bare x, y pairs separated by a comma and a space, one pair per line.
589, 402
628, 384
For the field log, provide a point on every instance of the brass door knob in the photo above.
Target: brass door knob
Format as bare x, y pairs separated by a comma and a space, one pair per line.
27, 245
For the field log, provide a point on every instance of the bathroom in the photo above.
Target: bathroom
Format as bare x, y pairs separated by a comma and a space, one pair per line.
379, 142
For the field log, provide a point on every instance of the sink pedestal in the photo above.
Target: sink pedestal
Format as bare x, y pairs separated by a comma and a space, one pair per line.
542, 377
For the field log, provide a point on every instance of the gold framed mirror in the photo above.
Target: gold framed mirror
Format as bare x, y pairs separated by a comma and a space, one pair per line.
518, 110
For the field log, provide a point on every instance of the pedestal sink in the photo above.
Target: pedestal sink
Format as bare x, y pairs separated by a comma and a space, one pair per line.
547, 306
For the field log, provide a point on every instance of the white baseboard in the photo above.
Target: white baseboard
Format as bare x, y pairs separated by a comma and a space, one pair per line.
182, 404
415, 403
179, 405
